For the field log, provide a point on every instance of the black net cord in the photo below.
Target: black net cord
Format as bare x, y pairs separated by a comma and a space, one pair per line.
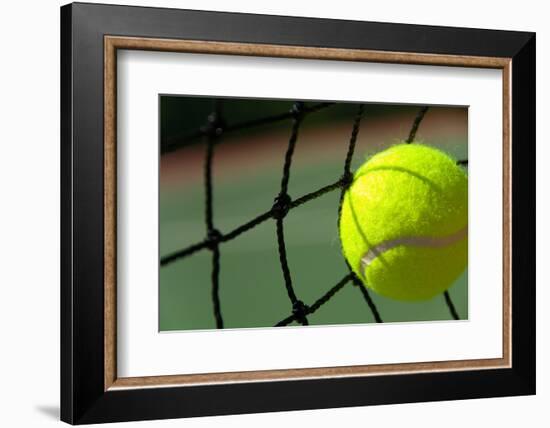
216, 286
450, 305
416, 123
347, 180
213, 130
280, 210
368, 299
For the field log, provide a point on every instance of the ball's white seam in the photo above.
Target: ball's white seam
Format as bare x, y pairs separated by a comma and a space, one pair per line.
415, 241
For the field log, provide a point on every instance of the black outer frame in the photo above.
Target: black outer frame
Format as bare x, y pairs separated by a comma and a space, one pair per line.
83, 399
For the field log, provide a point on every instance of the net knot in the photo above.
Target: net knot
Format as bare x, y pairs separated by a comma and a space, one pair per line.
299, 310
281, 206
297, 110
215, 125
213, 238
346, 179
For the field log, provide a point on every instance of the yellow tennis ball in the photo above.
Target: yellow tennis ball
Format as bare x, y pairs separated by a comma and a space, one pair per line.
404, 222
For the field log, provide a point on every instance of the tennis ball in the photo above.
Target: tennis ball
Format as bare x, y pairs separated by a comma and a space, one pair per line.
404, 222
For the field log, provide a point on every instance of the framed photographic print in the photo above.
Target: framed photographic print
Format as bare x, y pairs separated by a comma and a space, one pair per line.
265, 213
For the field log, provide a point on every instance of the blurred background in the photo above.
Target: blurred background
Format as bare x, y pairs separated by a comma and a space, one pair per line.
247, 171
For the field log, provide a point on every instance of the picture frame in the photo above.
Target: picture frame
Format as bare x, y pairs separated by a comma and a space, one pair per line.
91, 36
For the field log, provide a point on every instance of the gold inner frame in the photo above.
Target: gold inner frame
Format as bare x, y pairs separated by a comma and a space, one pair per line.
113, 43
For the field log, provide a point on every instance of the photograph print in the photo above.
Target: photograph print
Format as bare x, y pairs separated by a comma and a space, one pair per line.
285, 213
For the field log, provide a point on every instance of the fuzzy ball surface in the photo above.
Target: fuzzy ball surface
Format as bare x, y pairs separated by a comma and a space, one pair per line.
404, 222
